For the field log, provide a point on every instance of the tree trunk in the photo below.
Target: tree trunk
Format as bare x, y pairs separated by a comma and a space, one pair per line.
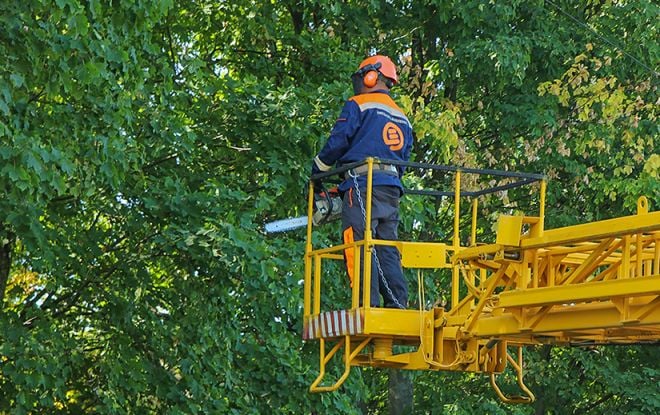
400, 393
540, 404
7, 240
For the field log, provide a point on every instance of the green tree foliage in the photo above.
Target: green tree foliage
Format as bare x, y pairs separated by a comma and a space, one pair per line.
144, 144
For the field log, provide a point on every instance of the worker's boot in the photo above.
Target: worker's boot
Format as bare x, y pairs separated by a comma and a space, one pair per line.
382, 348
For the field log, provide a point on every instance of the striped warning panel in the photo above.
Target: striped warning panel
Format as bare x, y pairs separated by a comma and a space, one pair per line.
333, 324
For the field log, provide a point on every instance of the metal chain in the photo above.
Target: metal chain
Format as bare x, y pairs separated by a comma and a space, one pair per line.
364, 217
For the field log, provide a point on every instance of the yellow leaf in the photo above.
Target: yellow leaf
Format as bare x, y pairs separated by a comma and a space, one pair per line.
652, 166
580, 57
555, 89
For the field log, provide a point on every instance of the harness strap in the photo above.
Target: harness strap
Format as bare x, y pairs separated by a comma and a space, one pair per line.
388, 169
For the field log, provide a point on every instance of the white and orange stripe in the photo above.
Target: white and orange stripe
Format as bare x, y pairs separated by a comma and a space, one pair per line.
383, 104
333, 324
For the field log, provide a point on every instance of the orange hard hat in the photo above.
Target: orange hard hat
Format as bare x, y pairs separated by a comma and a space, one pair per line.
383, 64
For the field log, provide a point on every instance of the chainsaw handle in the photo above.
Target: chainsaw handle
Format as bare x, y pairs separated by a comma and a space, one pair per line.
331, 200
325, 194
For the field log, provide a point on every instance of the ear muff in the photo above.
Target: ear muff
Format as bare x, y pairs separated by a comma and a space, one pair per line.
368, 75
370, 79
385, 72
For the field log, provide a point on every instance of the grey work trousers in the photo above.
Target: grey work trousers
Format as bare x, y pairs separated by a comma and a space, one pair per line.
384, 224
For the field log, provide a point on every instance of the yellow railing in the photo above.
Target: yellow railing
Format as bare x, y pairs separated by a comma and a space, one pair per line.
409, 251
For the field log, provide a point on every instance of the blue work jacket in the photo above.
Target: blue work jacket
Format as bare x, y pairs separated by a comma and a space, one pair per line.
370, 125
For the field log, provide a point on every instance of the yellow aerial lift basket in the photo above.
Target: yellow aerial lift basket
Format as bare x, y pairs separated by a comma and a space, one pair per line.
597, 282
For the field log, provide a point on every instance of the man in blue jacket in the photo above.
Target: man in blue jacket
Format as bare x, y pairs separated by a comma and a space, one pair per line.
372, 125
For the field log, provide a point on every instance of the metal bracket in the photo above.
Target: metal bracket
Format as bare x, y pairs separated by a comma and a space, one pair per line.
518, 367
348, 358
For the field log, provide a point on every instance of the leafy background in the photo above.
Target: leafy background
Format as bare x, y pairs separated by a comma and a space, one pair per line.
144, 144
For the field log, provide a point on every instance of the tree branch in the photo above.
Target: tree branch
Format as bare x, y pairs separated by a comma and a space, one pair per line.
598, 402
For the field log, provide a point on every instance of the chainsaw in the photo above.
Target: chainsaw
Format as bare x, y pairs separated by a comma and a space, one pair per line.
327, 208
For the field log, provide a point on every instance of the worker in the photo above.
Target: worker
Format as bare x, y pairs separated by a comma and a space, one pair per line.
372, 125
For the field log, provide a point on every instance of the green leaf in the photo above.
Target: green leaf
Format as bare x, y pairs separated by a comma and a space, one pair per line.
3, 107
16, 79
